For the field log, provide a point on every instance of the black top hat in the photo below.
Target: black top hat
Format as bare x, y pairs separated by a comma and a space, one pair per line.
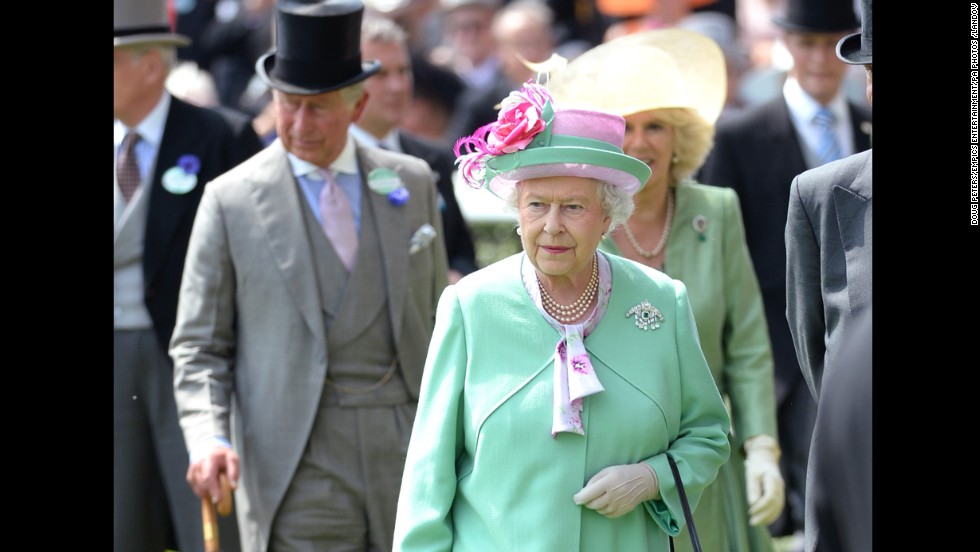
318, 47
818, 16
855, 49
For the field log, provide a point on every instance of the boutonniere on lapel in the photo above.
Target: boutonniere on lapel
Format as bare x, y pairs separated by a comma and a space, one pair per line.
183, 178
700, 224
647, 316
421, 238
385, 181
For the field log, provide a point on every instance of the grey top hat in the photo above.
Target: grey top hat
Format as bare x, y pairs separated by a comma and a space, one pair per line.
143, 22
855, 49
818, 16
318, 47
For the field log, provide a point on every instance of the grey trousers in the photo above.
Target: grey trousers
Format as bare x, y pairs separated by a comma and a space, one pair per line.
344, 495
153, 506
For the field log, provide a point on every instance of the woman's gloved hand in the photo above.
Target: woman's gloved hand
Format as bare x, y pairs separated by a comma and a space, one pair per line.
763, 480
616, 490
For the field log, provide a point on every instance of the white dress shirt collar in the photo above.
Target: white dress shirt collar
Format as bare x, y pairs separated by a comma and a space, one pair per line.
803, 107
389, 141
346, 162
150, 128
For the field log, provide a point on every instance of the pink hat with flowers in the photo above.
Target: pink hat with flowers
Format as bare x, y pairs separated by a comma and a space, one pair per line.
533, 139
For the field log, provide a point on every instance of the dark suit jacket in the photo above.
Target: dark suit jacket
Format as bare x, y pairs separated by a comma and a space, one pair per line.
459, 243
220, 140
758, 154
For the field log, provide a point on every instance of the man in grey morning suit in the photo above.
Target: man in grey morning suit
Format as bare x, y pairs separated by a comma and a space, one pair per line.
828, 263
304, 322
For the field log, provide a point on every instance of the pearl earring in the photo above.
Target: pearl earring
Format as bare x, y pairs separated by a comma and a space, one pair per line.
518, 230
675, 159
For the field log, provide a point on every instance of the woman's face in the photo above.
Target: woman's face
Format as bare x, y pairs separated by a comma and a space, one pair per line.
561, 223
651, 140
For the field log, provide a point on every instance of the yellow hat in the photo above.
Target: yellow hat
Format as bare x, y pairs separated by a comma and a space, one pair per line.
644, 71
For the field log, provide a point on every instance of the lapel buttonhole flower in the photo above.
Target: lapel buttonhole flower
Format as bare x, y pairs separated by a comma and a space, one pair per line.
385, 181
182, 178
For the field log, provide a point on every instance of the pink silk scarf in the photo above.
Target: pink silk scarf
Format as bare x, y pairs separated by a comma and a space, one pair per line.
574, 377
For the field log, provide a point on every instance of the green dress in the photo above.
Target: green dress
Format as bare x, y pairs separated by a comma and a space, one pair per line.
707, 251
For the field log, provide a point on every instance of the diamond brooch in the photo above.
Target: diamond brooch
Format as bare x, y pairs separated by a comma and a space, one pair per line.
647, 316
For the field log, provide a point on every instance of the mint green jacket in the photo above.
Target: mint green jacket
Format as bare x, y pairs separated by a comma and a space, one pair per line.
715, 265
483, 472
716, 268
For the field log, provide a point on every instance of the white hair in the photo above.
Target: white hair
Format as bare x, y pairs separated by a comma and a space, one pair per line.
615, 202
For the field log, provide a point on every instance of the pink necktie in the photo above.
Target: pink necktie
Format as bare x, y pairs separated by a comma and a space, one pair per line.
337, 219
127, 171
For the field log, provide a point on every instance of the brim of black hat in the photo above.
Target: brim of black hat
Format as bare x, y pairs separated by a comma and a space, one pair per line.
169, 39
265, 63
849, 50
790, 26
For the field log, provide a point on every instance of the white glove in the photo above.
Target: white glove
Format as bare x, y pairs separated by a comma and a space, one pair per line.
763, 481
616, 490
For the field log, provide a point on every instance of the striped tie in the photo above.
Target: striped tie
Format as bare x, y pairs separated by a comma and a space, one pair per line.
828, 149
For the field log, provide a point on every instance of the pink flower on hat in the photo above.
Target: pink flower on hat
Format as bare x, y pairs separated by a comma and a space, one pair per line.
518, 122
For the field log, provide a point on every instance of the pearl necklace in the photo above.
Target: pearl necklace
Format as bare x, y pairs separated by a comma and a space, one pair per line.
570, 313
663, 238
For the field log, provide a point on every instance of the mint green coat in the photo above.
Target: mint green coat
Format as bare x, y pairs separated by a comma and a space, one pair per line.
716, 268
483, 472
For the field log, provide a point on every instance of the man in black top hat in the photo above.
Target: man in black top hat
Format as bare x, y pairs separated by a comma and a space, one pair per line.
828, 292
758, 153
307, 305
165, 152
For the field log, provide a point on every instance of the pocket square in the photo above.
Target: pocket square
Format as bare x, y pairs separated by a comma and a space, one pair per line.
421, 239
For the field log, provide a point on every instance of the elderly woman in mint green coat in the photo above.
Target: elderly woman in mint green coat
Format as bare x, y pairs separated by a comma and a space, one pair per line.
694, 233
559, 379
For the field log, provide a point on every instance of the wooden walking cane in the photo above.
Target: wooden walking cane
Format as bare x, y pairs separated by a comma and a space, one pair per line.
210, 517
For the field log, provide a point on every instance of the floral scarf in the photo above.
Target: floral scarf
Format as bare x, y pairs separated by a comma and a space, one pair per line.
574, 377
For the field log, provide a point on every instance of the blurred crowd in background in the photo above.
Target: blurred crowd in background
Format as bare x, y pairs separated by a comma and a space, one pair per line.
463, 51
